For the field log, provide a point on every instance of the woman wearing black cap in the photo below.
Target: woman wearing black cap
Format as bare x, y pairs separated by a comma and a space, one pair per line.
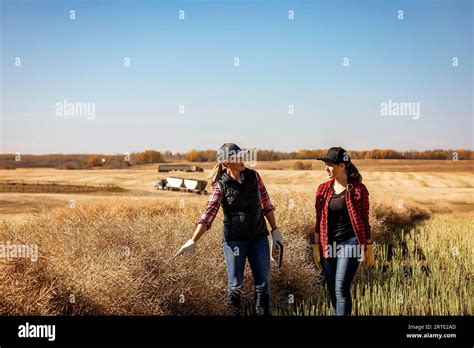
245, 201
342, 235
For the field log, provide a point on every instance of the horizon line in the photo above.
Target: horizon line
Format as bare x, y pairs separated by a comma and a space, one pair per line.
195, 149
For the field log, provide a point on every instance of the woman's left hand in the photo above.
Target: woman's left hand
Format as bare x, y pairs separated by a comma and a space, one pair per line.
369, 258
276, 238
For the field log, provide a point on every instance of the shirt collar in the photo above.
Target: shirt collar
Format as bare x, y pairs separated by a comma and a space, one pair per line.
241, 175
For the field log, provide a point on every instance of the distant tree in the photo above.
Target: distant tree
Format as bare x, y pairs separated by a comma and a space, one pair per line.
93, 161
192, 156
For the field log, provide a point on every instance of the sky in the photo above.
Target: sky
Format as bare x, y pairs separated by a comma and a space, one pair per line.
315, 80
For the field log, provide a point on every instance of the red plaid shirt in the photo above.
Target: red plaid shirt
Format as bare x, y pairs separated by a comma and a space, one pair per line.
216, 196
357, 200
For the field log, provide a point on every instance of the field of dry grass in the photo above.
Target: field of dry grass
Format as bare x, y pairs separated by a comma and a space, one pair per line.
444, 186
112, 252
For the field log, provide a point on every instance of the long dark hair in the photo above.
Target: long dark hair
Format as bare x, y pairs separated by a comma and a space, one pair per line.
353, 175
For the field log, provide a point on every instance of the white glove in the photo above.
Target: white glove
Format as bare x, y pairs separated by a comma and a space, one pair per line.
187, 248
276, 237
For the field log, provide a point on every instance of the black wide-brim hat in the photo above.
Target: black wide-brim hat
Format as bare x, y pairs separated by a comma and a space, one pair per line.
336, 155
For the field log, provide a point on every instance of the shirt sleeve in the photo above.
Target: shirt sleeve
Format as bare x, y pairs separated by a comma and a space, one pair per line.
264, 197
212, 207
318, 206
365, 211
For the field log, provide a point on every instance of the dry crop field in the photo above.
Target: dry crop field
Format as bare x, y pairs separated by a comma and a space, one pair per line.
111, 251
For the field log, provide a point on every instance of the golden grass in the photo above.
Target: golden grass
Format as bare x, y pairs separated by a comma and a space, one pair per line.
441, 187
430, 273
113, 253
117, 257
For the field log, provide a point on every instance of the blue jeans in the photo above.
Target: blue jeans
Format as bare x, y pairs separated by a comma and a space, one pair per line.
339, 272
258, 254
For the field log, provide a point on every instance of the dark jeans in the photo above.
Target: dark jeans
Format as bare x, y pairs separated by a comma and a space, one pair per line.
258, 254
339, 271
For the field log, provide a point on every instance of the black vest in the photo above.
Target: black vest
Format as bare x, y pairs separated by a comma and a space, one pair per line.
243, 215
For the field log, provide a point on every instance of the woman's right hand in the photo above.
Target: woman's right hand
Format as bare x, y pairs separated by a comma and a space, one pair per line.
191, 244
316, 254
187, 248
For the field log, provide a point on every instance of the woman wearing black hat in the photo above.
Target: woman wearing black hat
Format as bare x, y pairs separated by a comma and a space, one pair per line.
245, 201
342, 235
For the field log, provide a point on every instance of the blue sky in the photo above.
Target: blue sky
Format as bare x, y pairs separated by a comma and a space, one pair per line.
190, 62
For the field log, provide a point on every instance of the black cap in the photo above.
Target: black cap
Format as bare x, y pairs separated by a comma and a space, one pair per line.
229, 152
336, 155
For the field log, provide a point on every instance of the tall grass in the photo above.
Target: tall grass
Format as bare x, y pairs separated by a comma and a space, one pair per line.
118, 258
435, 282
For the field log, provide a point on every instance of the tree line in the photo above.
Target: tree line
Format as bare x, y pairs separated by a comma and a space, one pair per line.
90, 161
